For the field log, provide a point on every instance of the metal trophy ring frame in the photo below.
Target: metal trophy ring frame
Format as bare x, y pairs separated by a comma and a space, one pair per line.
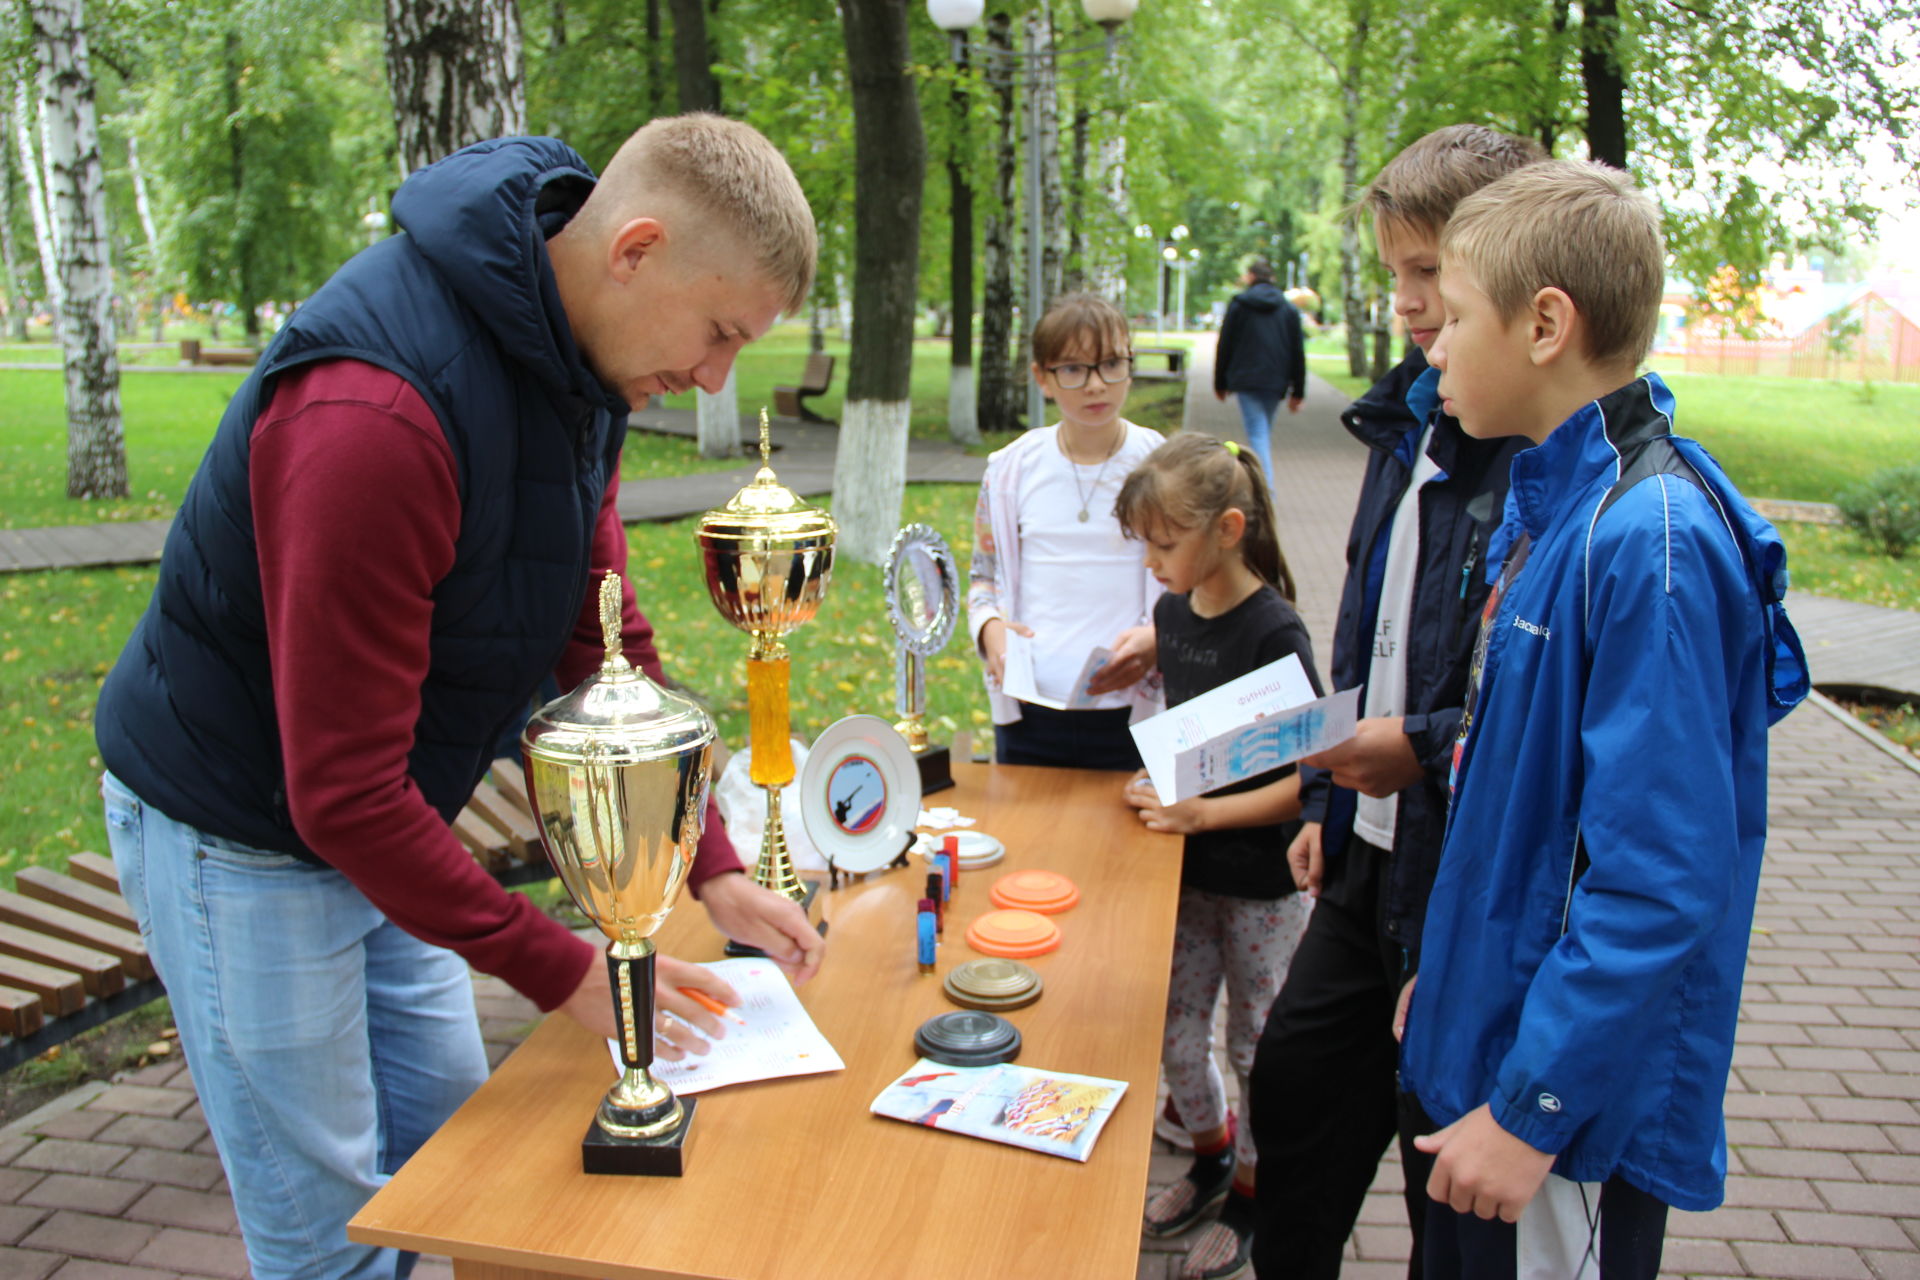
923, 589
923, 603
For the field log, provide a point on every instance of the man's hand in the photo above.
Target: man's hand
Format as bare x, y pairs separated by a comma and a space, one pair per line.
1377, 760
1294, 403
1184, 818
1134, 653
993, 645
762, 918
591, 1005
1481, 1168
1219, 395
1307, 858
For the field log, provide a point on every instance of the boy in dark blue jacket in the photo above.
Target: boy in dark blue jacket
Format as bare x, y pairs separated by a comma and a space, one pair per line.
1587, 933
1325, 1103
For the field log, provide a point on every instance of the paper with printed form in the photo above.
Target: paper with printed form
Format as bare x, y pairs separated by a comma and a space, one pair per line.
1204, 726
779, 1038
1017, 678
1266, 744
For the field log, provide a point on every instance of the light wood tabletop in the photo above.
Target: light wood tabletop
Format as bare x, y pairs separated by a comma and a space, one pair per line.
795, 1178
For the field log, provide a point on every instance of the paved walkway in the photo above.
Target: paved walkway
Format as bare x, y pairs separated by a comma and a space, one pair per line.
1823, 1108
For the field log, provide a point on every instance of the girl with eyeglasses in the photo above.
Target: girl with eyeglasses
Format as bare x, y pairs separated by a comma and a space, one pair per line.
1050, 562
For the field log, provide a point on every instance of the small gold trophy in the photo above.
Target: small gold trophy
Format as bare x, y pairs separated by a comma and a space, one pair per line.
768, 555
617, 770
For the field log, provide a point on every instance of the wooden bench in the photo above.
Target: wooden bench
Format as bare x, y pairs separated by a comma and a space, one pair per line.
1176, 370
71, 956
191, 352
791, 402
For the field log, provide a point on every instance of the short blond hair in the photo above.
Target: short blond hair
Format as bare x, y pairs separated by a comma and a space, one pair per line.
1572, 225
717, 169
1419, 188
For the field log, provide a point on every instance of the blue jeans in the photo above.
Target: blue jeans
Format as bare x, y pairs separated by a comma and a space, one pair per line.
326, 1045
1256, 414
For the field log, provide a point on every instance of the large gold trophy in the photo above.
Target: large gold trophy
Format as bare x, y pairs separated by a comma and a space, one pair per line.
768, 554
617, 770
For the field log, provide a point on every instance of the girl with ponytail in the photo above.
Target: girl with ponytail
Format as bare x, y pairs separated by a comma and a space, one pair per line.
1202, 509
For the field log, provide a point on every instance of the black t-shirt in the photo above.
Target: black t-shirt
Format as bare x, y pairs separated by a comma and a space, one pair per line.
1198, 654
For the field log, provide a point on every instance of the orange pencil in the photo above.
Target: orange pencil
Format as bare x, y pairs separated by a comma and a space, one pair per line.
711, 1005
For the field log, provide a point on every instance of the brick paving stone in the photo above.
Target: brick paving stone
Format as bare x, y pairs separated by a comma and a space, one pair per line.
153, 1131
174, 1168
155, 1074
14, 1183
1879, 1168
1775, 1033
177, 1207
79, 1124
1769, 1106
1802, 1261
88, 1235
1890, 1200
17, 1221
1885, 1085
1826, 1058
1893, 1266
60, 1155
1765, 1080
1854, 1229
1384, 1244
1683, 1256
1866, 1110
1754, 1133
89, 1269
196, 1253
89, 1195
12, 1145
1789, 1163
1818, 1135
1725, 1223
27, 1264
143, 1100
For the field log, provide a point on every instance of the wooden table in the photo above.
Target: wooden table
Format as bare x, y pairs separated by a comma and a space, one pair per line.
795, 1178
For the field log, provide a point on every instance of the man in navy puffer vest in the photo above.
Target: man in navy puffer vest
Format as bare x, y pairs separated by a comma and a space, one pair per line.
389, 545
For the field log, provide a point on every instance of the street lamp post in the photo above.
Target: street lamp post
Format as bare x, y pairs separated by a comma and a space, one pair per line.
1039, 62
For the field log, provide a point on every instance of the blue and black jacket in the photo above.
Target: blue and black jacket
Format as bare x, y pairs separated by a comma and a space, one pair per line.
1588, 929
1459, 510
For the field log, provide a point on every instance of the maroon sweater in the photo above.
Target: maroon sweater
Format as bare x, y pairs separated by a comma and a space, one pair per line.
356, 510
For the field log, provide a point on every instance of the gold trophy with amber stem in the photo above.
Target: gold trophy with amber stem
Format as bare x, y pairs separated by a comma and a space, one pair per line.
768, 554
617, 771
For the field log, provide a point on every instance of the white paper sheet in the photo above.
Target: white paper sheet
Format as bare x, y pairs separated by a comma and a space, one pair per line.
779, 1038
1234, 705
1266, 744
1017, 679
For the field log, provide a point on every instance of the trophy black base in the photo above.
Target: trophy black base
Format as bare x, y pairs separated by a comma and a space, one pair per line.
806, 904
662, 1157
936, 769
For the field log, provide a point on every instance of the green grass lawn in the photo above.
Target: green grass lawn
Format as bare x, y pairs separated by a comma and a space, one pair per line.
59, 633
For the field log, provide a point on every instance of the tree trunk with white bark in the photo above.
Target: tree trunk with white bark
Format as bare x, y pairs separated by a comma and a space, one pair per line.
96, 446
454, 69
717, 419
25, 112
17, 302
890, 161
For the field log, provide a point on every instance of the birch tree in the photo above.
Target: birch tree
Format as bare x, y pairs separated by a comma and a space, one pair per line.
26, 109
890, 161
77, 207
454, 69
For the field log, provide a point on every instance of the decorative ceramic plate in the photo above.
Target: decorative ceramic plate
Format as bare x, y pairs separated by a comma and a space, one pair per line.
860, 793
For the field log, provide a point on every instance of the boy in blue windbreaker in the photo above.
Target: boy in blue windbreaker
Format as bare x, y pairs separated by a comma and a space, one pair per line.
1573, 1024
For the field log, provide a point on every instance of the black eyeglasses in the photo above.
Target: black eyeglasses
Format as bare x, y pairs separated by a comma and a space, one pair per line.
1072, 377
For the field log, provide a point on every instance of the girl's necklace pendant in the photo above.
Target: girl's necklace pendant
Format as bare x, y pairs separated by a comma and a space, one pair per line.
1083, 516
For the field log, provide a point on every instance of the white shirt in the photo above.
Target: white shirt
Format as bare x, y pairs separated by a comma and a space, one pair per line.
1081, 585
1374, 819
